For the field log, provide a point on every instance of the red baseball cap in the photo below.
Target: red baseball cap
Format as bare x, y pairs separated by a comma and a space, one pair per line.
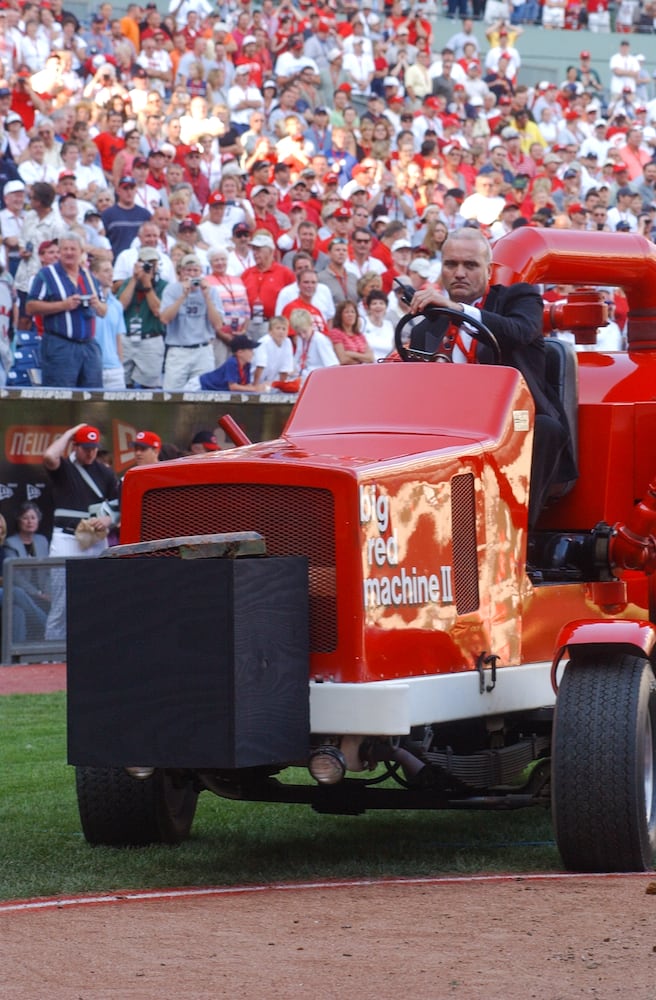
190, 221
87, 436
341, 213
207, 439
45, 245
147, 439
576, 208
216, 198
331, 179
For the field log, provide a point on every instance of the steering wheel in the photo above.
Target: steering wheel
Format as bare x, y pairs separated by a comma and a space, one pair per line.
479, 331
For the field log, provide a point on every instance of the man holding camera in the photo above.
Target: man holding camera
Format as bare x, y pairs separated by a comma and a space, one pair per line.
143, 342
68, 298
192, 314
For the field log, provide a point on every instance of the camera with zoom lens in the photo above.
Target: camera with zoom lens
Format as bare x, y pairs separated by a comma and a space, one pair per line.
195, 282
147, 266
85, 301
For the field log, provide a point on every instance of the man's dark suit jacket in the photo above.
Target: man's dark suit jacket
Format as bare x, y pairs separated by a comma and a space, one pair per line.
514, 315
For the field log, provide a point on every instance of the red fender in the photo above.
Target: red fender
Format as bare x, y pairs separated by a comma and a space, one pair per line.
639, 636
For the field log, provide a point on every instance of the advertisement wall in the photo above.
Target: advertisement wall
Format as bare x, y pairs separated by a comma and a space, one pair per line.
30, 419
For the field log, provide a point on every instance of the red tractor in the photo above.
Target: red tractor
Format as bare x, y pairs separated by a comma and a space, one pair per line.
362, 597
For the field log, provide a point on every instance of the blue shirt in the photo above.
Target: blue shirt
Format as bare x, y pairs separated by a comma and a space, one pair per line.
107, 329
52, 284
226, 375
122, 225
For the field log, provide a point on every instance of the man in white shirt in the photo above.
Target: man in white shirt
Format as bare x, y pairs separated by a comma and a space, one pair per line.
597, 142
35, 167
147, 196
359, 69
148, 237
215, 231
241, 256
621, 212
362, 262
156, 62
12, 218
180, 9
625, 69
243, 97
322, 298
291, 62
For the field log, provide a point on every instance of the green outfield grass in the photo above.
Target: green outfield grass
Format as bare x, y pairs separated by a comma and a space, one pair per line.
44, 852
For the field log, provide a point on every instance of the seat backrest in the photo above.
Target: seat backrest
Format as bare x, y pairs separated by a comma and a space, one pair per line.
562, 374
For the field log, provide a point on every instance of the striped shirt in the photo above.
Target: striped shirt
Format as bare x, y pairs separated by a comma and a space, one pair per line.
52, 284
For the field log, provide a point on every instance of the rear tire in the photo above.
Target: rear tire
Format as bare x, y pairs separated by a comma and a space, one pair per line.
604, 763
120, 811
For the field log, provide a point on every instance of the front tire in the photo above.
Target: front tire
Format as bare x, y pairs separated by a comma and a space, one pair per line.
120, 811
604, 763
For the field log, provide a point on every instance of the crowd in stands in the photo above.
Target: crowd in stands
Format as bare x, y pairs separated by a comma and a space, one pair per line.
222, 198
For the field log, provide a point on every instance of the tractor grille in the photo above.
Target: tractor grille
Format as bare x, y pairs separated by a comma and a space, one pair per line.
463, 544
295, 521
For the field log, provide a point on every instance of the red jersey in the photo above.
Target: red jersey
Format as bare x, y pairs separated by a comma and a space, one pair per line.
200, 184
383, 253
263, 287
269, 222
319, 324
108, 147
21, 103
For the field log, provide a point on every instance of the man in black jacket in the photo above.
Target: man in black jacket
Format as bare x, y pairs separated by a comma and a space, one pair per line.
514, 315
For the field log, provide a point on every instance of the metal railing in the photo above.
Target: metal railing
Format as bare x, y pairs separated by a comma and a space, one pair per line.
33, 610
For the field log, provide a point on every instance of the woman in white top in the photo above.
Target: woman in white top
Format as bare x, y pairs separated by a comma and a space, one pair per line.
17, 137
378, 330
34, 47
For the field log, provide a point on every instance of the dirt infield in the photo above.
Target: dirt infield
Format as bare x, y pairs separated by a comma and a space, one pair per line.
40, 678
531, 938
520, 939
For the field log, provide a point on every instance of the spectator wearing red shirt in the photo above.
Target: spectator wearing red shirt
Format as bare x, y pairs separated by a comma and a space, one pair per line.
301, 194
382, 250
157, 163
194, 175
307, 286
260, 198
340, 222
263, 282
401, 260
420, 31
110, 143
25, 101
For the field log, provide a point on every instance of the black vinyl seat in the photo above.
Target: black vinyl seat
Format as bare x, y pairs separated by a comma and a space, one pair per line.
562, 375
